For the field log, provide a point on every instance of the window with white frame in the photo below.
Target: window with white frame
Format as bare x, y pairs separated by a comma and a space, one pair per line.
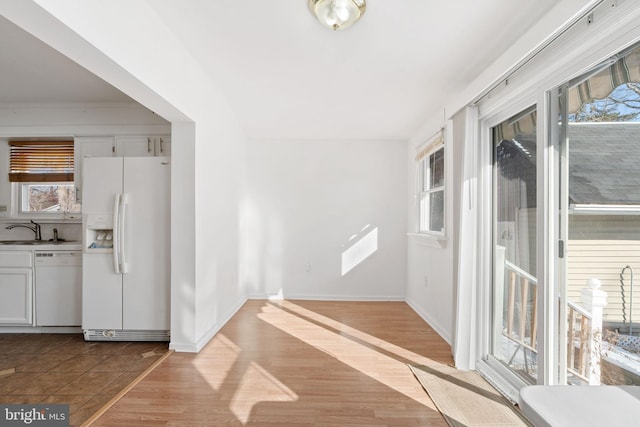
42, 175
430, 162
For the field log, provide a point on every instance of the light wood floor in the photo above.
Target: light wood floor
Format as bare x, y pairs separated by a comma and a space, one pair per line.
295, 363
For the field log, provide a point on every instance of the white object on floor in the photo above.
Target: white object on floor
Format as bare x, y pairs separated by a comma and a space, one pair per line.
567, 406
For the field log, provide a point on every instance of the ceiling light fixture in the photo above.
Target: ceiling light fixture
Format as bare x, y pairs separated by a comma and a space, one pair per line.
337, 14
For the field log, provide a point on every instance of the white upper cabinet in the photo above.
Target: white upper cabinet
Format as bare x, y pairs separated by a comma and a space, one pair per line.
143, 146
163, 146
116, 146
89, 146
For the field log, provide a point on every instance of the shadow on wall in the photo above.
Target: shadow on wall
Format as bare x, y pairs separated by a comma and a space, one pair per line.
360, 246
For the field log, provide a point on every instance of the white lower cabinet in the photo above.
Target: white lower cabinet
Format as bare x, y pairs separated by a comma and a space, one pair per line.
16, 288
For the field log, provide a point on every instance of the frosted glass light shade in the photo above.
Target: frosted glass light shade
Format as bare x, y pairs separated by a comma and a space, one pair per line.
337, 14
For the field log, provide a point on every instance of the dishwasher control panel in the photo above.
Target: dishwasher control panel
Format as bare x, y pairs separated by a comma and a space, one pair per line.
70, 258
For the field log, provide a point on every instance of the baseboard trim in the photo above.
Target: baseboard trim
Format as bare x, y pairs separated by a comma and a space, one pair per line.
326, 297
432, 322
207, 336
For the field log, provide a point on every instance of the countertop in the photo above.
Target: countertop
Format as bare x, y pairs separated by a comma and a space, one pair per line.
45, 246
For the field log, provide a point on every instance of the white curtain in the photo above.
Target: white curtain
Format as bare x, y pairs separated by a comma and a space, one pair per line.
466, 330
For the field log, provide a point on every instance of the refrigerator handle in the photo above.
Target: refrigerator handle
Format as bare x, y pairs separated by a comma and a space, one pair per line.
121, 233
115, 236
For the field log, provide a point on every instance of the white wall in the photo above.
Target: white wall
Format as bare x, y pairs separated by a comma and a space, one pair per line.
144, 60
431, 262
220, 184
326, 219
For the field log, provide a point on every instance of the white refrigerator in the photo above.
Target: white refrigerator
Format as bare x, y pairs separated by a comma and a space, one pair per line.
126, 257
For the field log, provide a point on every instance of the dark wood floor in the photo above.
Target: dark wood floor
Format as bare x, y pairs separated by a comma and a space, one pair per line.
295, 363
64, 369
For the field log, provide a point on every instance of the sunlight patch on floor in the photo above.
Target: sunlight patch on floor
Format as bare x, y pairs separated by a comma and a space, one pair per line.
225, 352
258, 386
371, 340
363, 352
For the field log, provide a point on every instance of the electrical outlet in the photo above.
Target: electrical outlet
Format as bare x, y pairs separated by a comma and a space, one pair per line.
307, 267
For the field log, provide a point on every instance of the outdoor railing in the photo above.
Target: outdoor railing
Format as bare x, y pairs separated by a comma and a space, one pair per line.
584, 320
580, 329
584, 330
522, 321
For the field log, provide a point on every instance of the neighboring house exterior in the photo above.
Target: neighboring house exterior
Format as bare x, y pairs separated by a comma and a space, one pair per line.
604, 215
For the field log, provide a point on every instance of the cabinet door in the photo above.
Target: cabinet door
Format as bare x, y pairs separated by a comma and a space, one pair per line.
99, 146
143, 146
16, 296
135, 146
163, 146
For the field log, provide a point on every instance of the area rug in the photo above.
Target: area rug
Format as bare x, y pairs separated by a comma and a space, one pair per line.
464, 398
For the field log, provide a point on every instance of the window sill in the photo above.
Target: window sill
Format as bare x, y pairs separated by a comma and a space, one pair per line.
69, 218
429, 240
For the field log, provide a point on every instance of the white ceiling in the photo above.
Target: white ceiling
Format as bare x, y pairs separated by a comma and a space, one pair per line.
286, 76
32, 72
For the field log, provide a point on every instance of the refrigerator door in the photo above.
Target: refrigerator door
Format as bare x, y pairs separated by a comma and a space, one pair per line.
102, 181
146, 243
101, 285
101, 293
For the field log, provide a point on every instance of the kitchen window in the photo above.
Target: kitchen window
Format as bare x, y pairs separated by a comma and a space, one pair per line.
41, 173
430, 162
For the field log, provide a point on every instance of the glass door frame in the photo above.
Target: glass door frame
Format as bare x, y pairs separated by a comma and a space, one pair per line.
547, 159
489, 117
555, 183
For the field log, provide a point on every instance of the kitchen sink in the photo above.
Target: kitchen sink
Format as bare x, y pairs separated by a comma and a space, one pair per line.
21, 242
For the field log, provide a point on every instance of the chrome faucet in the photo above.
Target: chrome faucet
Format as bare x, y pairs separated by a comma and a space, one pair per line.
35, 228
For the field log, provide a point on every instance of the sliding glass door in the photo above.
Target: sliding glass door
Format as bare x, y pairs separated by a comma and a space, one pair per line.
514, 287
600, 224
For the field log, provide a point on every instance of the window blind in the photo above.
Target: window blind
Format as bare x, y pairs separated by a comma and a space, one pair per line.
40, 161
435, 142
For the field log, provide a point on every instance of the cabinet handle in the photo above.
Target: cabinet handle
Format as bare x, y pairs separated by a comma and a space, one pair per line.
161, 146
148, 145
77, 192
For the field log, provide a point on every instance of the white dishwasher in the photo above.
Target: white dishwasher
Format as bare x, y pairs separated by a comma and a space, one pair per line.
58, 283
